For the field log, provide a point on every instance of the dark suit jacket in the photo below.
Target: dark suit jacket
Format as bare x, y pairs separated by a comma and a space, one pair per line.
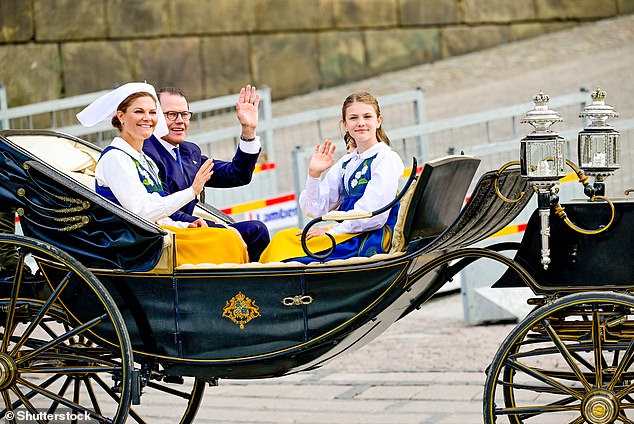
236, 173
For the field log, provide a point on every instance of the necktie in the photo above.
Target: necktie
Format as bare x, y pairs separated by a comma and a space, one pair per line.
179, 160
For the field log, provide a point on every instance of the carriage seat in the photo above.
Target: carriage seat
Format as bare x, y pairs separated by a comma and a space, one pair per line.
66, 155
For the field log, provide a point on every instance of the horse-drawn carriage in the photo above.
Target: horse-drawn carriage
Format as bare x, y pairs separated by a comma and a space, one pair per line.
98, 314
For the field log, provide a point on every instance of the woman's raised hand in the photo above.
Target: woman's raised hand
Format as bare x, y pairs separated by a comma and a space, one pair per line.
202, 176
322, 158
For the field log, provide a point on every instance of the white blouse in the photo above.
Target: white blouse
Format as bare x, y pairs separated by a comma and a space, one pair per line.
117, 171
320, 197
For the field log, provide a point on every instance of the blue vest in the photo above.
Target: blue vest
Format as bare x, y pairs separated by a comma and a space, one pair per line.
150, 181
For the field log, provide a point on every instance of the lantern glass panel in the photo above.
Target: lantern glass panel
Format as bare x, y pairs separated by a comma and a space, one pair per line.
544, 158
599, 150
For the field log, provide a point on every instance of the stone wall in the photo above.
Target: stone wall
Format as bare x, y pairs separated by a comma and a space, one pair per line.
56, 48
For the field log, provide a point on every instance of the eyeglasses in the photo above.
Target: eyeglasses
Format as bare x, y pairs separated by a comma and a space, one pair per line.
172, 115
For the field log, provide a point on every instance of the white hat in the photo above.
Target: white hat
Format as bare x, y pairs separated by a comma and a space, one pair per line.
105, 107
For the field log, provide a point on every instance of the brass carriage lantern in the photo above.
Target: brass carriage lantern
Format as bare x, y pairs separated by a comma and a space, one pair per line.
542, 163
599, 146
542, 156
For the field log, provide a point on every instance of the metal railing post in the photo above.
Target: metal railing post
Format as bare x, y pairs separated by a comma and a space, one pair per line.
420, 118
298, 183
4, 105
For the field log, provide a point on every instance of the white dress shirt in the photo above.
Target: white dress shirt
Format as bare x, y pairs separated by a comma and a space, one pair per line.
117, 171
320, 197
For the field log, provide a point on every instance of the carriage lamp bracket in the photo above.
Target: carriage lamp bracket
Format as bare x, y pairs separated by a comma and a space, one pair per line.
346, 216
496, 185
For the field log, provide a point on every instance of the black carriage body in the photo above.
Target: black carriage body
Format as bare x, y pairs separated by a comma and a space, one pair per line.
579, 261
232, 322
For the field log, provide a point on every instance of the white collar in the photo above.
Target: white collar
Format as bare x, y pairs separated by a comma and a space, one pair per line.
169, 147
120, 143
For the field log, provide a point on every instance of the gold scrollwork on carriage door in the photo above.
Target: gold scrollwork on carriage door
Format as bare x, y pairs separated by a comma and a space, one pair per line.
240, 309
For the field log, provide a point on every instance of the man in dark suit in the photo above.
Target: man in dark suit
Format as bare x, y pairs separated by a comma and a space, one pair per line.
178, 160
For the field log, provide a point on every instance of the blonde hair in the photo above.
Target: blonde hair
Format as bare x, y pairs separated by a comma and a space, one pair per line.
369, 99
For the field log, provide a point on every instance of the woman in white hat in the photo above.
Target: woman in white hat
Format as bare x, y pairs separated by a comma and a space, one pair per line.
129, 178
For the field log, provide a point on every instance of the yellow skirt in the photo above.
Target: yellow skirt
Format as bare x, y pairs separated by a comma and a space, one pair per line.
208, 245
286, 244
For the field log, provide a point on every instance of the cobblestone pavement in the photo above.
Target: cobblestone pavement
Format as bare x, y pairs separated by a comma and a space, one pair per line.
429, 366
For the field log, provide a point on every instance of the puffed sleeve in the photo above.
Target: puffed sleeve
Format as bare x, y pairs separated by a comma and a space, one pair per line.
320, 197
117, 171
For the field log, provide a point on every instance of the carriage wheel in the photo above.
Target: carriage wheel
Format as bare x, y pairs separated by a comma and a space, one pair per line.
55, 359
568, 361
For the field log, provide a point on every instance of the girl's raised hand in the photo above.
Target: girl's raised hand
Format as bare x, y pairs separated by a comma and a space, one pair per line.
323, 157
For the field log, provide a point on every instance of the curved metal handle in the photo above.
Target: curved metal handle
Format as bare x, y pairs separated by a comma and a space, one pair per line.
342, 217
559, 210
497, 189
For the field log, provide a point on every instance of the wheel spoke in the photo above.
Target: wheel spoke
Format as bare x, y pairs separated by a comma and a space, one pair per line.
41, 314
15, 291
625, 362
8, 406
61, 392
93, 322
61, 400
26, 403
578, 420
115, 397
91, 394
561, 346
597, 347
536, 410
544, 378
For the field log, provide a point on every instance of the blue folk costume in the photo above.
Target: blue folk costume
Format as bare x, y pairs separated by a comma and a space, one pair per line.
148, 178
193, 246
286, 246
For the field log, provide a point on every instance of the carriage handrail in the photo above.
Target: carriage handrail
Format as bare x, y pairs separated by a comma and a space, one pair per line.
346, 216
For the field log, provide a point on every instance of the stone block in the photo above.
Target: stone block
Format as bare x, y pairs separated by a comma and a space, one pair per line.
96, 65
64, 20
429, 12
462, 39
31, 73
226, 66
288, 63
389, 50
284, 15
341, 57
575, 9
625, 6
528, 30
366, 13
489, 11
138, 18
189, 17
170, 62
16, 20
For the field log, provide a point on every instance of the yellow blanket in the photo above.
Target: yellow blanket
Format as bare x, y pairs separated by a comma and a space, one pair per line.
286, 244
208, 245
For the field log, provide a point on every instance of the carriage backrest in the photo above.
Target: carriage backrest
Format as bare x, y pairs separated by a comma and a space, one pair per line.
434, 200
486, 212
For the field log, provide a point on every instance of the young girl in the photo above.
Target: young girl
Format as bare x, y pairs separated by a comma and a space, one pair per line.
364, 179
